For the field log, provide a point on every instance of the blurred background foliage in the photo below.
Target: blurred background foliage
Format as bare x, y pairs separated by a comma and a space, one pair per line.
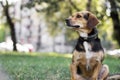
56, 11
2, 33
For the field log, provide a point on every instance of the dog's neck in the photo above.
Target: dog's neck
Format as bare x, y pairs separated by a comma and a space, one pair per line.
91, 35
83, 34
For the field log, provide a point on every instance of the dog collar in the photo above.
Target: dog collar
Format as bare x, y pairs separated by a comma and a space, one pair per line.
93, 35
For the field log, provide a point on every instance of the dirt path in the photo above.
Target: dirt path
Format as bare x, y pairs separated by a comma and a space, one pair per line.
3, 75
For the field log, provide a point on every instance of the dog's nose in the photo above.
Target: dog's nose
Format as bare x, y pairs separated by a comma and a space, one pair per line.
67, 21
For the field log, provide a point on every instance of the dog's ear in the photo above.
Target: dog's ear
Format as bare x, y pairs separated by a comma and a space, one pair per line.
92, 20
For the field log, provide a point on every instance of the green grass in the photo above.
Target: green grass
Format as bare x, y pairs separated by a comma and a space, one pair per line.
36, 67
113, 63
39, 66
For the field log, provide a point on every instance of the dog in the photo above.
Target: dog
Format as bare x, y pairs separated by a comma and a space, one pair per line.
88, 54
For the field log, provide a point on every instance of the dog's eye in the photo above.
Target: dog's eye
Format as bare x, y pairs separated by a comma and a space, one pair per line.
78, 16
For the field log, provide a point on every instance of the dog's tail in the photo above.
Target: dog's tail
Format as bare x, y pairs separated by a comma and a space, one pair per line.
114, 76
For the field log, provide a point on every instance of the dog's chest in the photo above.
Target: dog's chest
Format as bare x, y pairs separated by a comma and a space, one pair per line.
88, 54
88, 48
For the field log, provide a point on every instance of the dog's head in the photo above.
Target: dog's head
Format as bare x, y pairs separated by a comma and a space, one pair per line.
82, 20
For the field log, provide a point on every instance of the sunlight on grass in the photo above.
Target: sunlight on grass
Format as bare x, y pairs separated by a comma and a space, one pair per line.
38, 54
60, 55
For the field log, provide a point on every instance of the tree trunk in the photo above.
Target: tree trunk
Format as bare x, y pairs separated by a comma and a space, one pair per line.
11, 24
88, 6
39, 38
29, 31
115, 18
74, 6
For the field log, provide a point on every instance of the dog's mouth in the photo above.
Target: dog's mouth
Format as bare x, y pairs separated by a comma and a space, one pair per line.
75, 26
68, 23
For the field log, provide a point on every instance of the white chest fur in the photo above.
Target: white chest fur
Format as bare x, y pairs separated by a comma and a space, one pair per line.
83, 34
87, 50
88, 53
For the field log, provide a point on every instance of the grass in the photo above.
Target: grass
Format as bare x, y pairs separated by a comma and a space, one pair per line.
113, 63
36, 67
39, 66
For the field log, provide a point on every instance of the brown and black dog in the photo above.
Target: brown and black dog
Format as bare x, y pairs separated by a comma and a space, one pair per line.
88, 53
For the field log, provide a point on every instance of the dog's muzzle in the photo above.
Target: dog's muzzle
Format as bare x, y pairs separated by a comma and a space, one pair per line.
68, 23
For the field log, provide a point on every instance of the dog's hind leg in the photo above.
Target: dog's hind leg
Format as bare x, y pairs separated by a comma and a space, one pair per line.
103, 73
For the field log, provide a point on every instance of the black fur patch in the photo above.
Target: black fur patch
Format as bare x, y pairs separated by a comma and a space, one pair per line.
86, 16
94, 42
78, 70
96, 45
78, 48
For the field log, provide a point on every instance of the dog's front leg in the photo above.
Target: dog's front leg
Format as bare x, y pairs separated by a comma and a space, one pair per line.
74, 75
73, 69
74, 66
96, 71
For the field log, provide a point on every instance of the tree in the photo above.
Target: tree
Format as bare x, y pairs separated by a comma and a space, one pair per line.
115, 18
74, 5
88, 6
11, 24
39, 38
